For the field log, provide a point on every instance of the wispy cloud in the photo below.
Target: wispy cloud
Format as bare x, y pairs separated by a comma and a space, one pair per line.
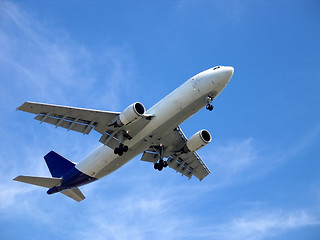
258, 225
41, 62
158, 213
234, 156
238, 161
134, 203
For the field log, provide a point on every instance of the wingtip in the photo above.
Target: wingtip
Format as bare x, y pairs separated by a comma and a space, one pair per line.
21, 106
16, 178
80, 200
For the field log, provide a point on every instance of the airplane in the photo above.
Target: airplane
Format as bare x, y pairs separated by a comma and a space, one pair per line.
154, 133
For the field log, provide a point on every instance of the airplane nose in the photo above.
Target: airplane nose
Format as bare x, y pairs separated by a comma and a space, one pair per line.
220, 75
228, 72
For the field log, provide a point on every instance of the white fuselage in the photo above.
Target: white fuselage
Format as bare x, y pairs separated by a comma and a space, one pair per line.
170, 112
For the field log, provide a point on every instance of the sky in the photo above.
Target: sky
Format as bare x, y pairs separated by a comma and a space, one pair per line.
264, 157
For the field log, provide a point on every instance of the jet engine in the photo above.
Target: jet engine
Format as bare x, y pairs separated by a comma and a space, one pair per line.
198, 140
131, 113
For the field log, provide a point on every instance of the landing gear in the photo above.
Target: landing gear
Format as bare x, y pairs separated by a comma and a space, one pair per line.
160, 165
121, 149
209, 101
121, 136
209, 107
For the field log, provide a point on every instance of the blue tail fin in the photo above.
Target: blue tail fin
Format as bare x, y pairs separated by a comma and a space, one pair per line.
57, 164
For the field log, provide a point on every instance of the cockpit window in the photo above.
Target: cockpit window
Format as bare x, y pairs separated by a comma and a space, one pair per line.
216, 67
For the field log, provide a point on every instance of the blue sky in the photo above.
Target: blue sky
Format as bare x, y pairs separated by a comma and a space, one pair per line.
264, 158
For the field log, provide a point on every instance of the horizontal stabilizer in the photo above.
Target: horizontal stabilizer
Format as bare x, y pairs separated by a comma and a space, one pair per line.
75, 194
39, 181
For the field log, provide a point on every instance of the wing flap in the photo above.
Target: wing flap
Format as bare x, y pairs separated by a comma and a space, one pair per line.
189, 165
180, 167
109, 140
70, 125
150, 157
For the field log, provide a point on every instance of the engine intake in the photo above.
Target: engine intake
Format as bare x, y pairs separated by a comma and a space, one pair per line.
198, 140
130, 114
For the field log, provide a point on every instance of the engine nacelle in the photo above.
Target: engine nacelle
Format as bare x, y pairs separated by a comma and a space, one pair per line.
130, 114
198, 140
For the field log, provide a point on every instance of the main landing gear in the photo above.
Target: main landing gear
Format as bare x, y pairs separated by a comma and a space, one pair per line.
121, 149
121, 136
209, 101
160, 165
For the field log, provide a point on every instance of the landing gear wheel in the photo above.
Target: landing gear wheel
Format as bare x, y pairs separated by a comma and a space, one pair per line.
121, 149
120, 153
116, 151
125, 148
165, 164
209, 107
160, 165
156, 165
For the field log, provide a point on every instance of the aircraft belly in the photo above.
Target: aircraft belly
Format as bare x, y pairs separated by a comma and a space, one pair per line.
169, 113
103, 162
179, 118
120, 161
97, 160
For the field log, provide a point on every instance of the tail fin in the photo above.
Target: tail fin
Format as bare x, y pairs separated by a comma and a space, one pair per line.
57, 164
39, 181
75, 194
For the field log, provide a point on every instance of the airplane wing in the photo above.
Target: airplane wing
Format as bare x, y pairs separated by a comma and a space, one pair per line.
188, 164
84, 120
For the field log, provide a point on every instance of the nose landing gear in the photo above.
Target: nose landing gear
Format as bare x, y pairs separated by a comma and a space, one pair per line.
209, 101
209, 107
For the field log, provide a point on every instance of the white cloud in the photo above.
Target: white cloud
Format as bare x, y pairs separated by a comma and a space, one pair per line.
40, 63
135, 216
234, 156
147, 211
231, 162
43, 63
9, 194
256, 225
239, 161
